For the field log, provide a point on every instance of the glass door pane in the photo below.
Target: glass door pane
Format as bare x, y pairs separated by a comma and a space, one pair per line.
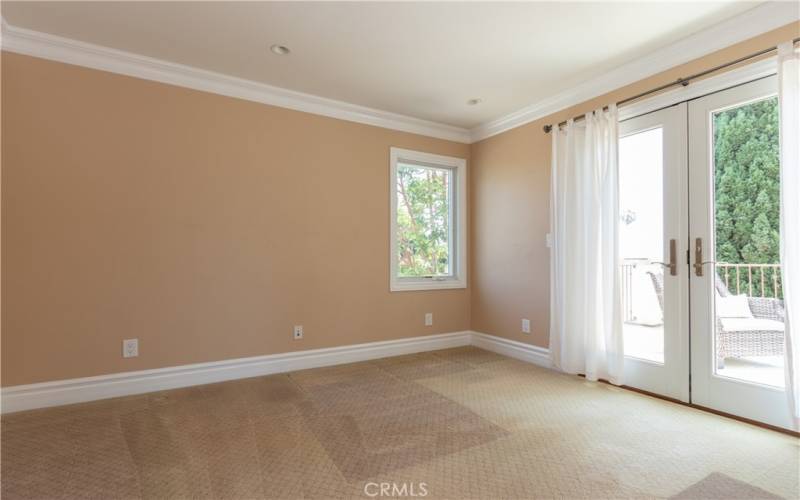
748, 299
641, 243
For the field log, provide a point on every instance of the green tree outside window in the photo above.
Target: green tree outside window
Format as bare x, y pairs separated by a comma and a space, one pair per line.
747, 187
423, 221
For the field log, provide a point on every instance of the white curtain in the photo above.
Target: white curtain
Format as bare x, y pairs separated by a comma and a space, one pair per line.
585, 309
789, 97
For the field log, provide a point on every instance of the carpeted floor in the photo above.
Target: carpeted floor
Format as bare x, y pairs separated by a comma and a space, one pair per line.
459, 423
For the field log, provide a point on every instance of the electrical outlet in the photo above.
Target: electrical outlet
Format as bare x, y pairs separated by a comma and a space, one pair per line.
428, 319
526, 326
130, 348
298, 332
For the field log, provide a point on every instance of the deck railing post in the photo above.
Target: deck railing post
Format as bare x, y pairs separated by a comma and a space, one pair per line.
775, 281
753, 288
738, 282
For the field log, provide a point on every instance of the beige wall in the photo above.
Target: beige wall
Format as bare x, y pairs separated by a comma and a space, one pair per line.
203, 225
510, 204
207, 226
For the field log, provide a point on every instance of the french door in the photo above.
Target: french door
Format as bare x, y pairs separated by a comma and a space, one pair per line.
652, 245
699, 233
736, 321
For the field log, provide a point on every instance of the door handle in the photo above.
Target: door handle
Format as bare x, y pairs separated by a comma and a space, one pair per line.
698, 257
673, 259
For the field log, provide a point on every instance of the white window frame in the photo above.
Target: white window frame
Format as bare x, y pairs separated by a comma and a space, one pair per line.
458, 222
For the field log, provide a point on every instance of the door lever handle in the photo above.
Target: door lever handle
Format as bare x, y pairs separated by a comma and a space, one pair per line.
673, 261
698, 258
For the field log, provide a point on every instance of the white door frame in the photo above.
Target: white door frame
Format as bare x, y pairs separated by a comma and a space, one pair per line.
746, 399
639, 374
671, 378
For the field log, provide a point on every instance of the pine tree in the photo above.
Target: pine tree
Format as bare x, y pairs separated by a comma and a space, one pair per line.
747, 185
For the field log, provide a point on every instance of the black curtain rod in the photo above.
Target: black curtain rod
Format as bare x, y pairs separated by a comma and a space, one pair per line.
680, 81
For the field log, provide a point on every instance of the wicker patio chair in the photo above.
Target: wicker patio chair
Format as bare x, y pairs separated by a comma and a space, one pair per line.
739, 344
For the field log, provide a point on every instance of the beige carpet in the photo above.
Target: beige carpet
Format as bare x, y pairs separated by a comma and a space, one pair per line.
459, 423
719, 486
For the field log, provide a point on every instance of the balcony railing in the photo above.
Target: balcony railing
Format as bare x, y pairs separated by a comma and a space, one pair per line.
629, 269
756, 280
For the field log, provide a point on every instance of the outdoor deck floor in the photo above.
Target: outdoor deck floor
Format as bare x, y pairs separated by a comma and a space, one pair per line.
647, 342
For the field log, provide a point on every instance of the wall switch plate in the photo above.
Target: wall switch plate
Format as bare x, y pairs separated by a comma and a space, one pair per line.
130, 348
526, 326
548, 240
298, 332
428, 319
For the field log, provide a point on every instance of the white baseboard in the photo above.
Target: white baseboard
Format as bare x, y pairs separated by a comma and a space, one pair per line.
524, 352
79, 390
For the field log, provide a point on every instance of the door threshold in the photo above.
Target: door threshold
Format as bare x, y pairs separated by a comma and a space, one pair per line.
705, 409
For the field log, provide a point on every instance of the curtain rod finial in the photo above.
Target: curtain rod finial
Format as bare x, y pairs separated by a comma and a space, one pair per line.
547, 129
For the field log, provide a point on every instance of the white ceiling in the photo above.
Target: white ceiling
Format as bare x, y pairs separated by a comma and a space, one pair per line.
423, 60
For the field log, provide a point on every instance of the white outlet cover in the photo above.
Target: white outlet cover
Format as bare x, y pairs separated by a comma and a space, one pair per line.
298, 332
130, 348
428, 319
526, 326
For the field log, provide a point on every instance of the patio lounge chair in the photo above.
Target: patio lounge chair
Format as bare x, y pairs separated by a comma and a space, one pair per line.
761, 335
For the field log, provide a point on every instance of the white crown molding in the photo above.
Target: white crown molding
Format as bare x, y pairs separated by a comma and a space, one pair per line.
766, 17
56, 48
753, 22
79, 390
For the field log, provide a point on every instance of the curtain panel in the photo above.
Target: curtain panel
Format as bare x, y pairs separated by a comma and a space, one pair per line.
789, 112
586, 311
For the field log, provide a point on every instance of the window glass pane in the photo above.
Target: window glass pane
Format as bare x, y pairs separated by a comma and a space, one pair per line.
424, 215
641, 243
748, 292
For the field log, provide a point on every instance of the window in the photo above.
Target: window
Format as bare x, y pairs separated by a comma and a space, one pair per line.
428, 221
